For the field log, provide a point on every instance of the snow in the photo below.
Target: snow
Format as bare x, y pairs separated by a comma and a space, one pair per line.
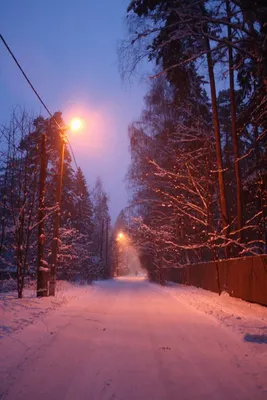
236, 314
130, 339
45, 269
16, 313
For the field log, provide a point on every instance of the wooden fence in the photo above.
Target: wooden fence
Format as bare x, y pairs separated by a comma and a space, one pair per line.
244, 278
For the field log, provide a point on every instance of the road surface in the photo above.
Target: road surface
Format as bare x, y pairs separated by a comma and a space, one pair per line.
128, 339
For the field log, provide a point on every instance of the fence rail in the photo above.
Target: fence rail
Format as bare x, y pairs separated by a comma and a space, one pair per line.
244, 278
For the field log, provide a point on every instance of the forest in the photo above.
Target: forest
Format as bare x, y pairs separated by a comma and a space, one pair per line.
31, 149
198, 172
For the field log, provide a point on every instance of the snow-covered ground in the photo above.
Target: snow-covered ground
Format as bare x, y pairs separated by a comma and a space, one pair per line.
129, 339
16, 313
247, 319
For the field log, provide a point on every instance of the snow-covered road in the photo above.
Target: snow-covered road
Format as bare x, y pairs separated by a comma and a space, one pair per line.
128, 339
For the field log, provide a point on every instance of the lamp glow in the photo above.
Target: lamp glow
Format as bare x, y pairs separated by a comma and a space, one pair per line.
75, 124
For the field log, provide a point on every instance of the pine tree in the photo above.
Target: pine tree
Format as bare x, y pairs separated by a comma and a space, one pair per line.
101, 228
83, 205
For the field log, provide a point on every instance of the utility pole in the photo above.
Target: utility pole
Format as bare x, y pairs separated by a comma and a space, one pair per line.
42, 268
52, 284
102, 240
107, 247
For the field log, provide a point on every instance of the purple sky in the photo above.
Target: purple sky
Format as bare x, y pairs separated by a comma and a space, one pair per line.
68, 48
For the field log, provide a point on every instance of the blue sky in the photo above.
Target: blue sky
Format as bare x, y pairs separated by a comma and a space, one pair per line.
68, 48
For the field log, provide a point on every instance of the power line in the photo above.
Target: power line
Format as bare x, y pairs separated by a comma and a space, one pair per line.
38, 96
72, 153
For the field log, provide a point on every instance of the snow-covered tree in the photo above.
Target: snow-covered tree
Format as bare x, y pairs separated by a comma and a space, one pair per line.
20, 164
101, 220
224, 38
83, 205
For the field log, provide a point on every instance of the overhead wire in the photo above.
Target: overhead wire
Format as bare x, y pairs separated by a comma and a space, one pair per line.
39, 97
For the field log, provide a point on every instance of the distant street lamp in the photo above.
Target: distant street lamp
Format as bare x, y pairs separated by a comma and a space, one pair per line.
120, 236
75, 125
123, 245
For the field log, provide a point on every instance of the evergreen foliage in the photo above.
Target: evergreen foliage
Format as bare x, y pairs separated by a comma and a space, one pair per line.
80, 219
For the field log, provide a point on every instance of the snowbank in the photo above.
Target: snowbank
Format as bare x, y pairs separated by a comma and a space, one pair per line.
16, 313
245, 318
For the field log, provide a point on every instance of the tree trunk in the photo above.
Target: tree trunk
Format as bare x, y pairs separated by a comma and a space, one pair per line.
20, 249
4, 201
261, 198
239, 202
52, 282
216, 125
42, 270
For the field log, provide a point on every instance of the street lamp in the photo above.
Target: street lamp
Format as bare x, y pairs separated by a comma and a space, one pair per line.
123, 247
74, 125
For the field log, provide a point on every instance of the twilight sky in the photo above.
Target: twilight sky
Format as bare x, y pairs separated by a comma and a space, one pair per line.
68, 48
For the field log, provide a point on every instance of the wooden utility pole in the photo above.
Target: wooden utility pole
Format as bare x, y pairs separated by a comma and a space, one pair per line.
42, 267
101, 240
107, 247
52, 284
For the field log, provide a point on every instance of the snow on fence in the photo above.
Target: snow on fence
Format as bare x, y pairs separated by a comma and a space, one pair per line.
244, 278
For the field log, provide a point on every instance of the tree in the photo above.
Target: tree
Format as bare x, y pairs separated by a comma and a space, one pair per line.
83, 205
27, 219
101, 221
170, 177
180, 35
19, 188
76, 247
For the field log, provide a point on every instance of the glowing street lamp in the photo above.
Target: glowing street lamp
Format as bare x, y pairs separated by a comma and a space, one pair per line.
120, 236
75, 125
